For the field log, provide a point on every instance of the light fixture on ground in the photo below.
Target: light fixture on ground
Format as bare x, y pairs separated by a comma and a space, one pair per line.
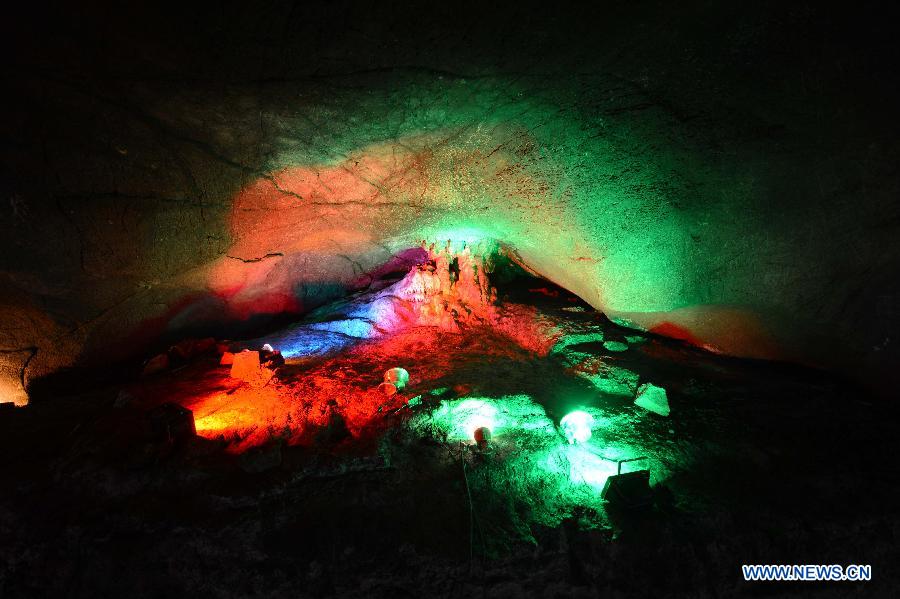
399, 377
482, 437
629, 489
576, 426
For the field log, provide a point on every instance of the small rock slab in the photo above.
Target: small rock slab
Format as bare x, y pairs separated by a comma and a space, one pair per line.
653, 398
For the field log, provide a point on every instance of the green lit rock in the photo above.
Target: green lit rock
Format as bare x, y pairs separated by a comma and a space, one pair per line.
577, 338
457, 420
608, 379
572, 359
653, 398
533, 460
664, 186
615, 346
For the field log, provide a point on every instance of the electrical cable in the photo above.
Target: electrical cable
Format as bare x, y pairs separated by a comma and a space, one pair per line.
462, 459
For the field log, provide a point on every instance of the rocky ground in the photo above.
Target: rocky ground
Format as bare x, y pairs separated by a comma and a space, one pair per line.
319, 484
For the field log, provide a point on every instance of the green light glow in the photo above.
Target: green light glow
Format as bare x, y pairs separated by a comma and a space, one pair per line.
530, 461
471, 236
612, 380
588, 468
497, 160
458, 419
576, 426
615, 346
471, 415
571, 475
575, 339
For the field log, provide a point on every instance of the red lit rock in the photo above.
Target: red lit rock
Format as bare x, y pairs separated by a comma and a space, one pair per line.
204, 345
156, 364
462, 389
609, 223
227, 359
387, 388
246, 367
190, 348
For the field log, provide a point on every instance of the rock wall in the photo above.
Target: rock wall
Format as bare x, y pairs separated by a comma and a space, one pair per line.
724, 175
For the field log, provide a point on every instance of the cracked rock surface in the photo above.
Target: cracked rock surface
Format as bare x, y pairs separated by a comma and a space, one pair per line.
726, 175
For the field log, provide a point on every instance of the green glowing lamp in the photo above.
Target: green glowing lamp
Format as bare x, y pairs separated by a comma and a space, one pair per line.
482, 436
576, 426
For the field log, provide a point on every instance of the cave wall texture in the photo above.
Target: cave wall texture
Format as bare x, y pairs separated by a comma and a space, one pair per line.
723, 173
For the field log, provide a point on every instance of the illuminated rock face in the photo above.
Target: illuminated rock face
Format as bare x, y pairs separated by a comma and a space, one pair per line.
450, 287
681, 187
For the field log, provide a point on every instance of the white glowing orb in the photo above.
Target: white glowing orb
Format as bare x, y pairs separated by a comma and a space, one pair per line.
474, 414
473, 423
576, 426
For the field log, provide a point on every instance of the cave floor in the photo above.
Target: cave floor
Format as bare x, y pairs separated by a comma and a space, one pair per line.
318, 484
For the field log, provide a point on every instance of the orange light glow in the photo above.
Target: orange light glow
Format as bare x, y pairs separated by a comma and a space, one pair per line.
428, 322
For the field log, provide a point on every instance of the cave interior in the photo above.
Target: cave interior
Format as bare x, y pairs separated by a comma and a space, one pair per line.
442, 300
